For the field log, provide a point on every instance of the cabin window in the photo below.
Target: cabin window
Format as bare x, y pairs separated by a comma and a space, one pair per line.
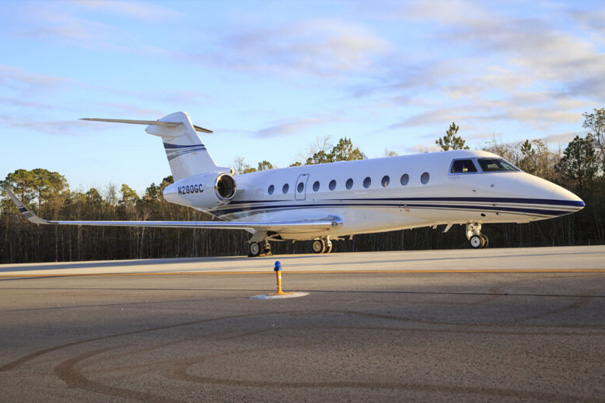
385, 181
405, 179
496, 165
332, 184
425, 178
300, 187
271, 189
367, 182
285, 188
349, 183
463, 167
316, 186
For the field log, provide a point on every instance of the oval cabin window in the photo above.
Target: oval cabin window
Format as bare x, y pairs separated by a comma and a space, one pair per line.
425, 178
385, 181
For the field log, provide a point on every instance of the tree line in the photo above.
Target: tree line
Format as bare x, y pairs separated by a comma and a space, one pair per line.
580, 167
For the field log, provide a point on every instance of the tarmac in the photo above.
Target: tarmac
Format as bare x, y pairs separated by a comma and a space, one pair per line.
451, 325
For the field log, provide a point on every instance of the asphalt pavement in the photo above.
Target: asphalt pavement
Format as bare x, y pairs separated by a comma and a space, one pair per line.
494, 324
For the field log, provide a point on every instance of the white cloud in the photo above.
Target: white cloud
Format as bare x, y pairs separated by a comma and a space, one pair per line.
48, 127
317, 47
561, 138
24, 86
535, 68
18, 101
133, 9
535, 48
292, 127
50, 23
14, 77
92, 24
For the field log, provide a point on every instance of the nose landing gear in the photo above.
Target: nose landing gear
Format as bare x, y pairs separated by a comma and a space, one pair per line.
322, 245
475, 237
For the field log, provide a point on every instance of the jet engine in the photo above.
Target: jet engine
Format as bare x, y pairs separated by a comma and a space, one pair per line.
205, 191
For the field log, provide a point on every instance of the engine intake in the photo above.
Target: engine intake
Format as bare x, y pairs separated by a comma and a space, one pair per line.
206, 191
225, 187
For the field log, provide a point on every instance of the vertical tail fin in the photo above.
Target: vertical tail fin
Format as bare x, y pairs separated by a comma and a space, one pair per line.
186, 153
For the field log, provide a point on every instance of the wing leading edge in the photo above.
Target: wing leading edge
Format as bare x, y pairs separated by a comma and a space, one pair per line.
276, 226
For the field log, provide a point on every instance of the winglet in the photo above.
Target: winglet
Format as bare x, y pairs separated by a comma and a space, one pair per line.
24, 210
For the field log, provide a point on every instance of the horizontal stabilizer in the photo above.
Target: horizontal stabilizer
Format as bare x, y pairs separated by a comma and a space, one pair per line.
147, 122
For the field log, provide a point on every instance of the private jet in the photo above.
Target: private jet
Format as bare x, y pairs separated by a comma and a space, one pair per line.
328, 202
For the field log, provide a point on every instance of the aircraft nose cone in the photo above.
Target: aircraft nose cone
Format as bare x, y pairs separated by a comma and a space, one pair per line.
577, 202
553, 197
567, 200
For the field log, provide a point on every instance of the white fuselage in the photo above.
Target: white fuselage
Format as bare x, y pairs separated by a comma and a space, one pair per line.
401, 192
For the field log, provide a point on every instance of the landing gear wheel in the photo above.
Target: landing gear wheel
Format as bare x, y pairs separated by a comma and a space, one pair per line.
477, 242
254, 249
485, 241
319, 246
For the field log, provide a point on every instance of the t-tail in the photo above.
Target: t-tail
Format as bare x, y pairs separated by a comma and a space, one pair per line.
186, 153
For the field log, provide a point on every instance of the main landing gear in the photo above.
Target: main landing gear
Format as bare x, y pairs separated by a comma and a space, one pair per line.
262, 248
475, 237
322, 245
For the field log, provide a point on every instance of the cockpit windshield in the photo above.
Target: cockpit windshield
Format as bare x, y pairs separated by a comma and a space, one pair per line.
462, 167
495, 165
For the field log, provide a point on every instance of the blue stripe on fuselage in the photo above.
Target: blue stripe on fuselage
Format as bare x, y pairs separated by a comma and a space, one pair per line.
410, 202
552, 202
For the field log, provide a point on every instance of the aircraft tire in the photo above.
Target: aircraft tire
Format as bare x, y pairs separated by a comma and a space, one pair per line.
477, 242
319, 246
485, 241
254, 249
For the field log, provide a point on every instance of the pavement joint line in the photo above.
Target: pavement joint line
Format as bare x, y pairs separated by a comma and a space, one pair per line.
238, 272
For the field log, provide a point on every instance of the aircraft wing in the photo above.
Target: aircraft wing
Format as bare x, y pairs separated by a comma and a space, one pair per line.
276, 226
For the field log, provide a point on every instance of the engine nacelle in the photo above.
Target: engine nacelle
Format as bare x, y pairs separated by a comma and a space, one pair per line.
205, 191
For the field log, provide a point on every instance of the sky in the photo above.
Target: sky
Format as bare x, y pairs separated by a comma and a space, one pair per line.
274, 78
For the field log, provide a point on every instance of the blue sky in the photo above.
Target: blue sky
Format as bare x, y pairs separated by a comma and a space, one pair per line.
273, 78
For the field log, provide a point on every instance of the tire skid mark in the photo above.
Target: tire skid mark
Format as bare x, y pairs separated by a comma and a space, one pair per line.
581, 301
154, 365
68, 370
17, 363
460, 331
68, 373
465, 325
181, 373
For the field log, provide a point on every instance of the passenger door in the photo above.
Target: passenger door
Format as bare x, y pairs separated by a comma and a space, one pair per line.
300, 190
